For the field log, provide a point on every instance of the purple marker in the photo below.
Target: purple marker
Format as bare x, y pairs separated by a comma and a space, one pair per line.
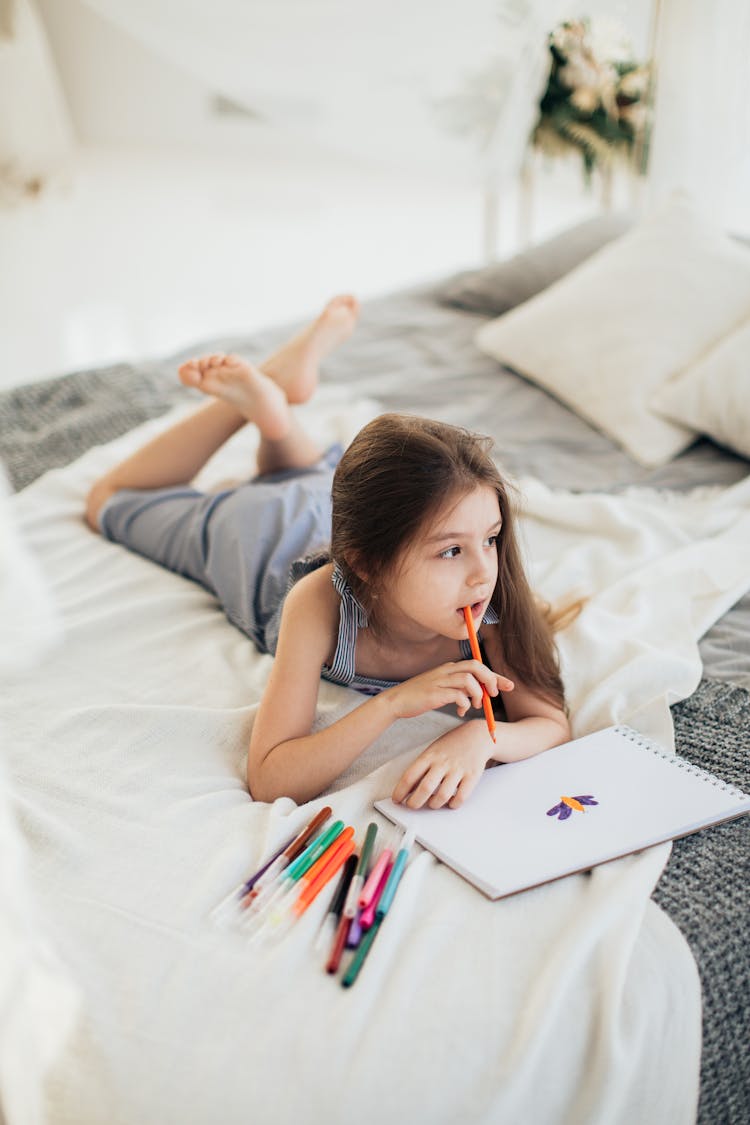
248, 886
354, 936
235, 897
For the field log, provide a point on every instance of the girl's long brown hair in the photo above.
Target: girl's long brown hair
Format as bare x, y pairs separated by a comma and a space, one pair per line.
391, 481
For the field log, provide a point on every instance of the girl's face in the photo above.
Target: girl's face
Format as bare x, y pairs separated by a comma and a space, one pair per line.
450, 563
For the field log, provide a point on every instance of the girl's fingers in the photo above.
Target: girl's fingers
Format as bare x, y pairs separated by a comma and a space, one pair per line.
418, 783
463, 695
461, 683
493, 681
444, 792
421, 795
463, 790
408, 780
470, 687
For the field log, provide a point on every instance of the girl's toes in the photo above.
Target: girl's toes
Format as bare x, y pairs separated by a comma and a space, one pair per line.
189, 373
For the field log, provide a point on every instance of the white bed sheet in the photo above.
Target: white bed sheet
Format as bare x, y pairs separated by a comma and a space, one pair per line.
577, 1001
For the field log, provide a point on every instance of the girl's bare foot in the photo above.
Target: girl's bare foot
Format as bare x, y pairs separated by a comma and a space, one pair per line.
256, 396
295, 366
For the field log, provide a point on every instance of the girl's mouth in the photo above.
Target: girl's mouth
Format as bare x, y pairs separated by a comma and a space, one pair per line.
477, 609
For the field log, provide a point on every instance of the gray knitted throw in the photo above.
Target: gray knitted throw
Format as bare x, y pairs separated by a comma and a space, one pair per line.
48, 424
705, 889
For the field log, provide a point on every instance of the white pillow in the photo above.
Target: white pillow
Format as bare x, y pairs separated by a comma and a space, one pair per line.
713, 395
604, 338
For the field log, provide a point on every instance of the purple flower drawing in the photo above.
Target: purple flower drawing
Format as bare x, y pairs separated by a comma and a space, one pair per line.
568, 804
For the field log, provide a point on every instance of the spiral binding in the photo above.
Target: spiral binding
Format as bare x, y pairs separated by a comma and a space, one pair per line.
644, 743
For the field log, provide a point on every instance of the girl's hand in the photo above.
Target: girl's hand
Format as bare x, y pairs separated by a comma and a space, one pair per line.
458, 682
448, 770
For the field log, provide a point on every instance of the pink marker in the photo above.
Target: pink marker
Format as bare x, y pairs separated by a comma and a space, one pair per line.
373, 879
367, 917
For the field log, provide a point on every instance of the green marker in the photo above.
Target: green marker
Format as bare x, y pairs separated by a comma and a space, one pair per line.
365, 945
357, 883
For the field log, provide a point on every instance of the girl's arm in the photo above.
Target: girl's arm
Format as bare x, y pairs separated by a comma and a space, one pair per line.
285, 758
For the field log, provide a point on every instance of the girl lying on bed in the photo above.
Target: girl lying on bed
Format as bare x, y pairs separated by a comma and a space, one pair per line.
355, 567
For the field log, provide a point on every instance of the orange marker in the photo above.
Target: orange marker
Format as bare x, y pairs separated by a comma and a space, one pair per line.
340, 852
325, 858
486, 702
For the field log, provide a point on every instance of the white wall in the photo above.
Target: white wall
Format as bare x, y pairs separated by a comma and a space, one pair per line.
119, 92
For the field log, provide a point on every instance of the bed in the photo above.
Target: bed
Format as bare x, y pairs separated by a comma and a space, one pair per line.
615, 995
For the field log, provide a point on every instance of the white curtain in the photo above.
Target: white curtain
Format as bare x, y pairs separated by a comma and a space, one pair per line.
364, 78
701, 140
35, 130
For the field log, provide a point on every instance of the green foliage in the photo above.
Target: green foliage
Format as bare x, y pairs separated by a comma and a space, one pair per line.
594, 105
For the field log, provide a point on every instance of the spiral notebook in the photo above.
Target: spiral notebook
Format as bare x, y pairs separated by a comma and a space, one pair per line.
589, 801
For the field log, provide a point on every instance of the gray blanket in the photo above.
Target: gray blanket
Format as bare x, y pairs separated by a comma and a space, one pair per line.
412, 354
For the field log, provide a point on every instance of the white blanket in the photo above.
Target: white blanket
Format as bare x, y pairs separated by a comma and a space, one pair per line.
575, 1002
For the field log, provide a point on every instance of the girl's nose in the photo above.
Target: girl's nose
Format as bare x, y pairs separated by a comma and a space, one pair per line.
482, 570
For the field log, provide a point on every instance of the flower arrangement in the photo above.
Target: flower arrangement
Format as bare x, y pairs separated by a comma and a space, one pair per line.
596, 99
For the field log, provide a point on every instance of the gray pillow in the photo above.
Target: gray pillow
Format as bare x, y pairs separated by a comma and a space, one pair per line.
500, 287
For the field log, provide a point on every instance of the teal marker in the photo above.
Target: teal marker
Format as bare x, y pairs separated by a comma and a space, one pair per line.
384, 904
395, 876
313, 852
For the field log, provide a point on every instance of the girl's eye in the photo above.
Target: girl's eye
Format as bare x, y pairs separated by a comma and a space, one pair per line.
454, 552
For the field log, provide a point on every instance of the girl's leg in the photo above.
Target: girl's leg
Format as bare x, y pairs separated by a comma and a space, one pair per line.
259, 398
243, 394
294, 368
295, 365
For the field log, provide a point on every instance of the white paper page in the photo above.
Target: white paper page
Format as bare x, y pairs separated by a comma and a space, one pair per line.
503, 839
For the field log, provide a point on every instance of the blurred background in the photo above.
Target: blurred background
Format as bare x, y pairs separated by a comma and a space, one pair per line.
174, 171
